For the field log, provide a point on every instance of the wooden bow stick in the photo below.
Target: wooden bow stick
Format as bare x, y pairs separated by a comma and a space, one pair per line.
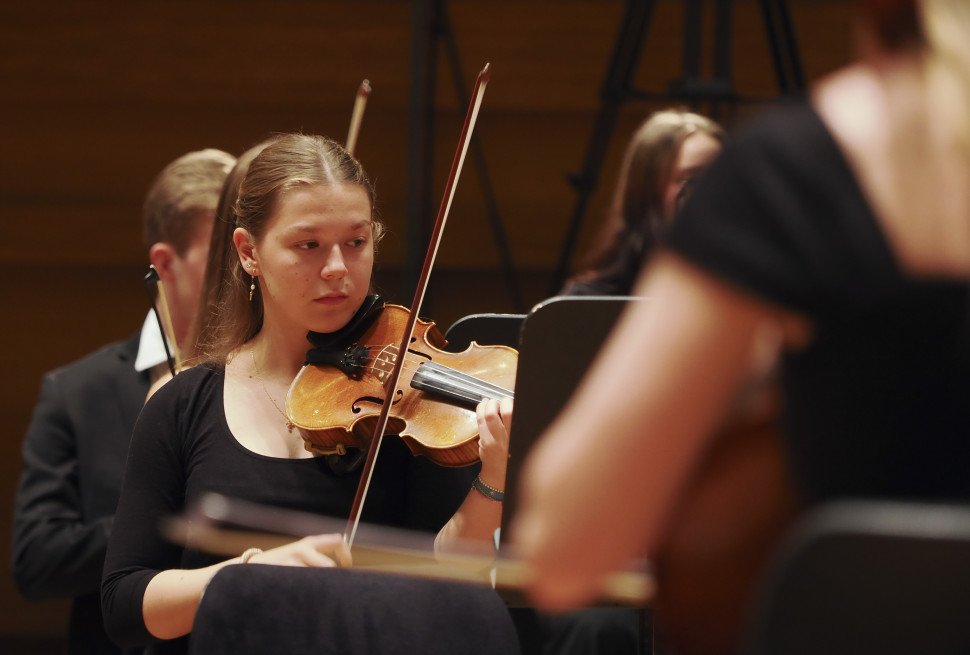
395, 374
360, 103
156, 290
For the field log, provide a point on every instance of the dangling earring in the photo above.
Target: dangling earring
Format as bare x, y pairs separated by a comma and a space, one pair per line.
252, 286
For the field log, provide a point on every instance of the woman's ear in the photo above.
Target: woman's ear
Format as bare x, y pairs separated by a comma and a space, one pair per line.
246, 250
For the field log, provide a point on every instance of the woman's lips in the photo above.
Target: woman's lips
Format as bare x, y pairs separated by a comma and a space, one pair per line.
331, 299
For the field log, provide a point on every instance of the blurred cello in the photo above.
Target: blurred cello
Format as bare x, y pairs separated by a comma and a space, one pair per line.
724, 530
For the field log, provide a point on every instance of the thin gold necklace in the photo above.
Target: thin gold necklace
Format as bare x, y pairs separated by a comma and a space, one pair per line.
259, 378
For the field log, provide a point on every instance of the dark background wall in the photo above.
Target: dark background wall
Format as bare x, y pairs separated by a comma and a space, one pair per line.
97, 96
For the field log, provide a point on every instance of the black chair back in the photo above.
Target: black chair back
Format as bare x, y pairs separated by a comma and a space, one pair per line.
862, 577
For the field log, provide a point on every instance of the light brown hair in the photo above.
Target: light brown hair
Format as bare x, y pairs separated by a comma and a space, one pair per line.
276, 167
637, 215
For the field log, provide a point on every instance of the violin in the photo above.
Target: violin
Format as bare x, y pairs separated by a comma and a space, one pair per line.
336, 401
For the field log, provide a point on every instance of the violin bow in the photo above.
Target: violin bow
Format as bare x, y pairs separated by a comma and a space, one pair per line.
222, 525
360, 103
156, 289
466, 132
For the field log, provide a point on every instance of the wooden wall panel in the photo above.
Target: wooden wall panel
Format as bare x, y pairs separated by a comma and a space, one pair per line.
97, 96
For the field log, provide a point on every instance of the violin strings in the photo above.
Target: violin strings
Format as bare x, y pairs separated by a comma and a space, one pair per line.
392, 350
391, 356
409, 359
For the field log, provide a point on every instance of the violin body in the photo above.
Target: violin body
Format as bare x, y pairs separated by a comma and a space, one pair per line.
336, 409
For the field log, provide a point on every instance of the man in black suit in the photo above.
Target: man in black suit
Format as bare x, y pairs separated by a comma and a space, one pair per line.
75, 447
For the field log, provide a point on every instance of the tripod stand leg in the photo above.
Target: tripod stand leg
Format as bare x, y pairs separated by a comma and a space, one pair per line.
478, 156
420, 140
784, 50
690, 87
431, 25
616, 90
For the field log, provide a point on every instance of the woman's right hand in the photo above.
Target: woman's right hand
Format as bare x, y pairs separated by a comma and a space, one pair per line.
172, 596
322, 550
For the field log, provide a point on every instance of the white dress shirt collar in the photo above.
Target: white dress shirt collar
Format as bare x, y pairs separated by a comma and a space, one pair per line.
151, 350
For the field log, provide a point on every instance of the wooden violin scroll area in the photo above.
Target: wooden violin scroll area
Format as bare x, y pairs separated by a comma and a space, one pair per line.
433, 409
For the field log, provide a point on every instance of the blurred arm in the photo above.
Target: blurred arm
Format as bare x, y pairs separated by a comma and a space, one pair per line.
599, 484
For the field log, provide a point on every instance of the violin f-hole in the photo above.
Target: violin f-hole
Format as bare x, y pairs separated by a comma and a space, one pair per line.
356, 407
419, 353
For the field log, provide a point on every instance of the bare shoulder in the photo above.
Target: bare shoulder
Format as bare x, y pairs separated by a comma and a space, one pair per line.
852, 103
897, 131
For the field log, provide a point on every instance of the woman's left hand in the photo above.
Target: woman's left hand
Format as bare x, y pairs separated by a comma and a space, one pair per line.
494, 424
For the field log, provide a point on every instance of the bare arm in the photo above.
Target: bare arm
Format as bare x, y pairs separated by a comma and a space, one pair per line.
598, 486
476, 520
172, 596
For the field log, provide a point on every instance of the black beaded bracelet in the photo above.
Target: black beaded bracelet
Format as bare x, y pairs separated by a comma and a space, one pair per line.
487, 491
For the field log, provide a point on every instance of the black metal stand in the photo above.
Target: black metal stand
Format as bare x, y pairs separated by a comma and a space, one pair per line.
431, 25
691, 87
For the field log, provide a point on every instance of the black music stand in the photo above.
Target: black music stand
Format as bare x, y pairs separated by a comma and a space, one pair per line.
560, 337
691, 88
485, 330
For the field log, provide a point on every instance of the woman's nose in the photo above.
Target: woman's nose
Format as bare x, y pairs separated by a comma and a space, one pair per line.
334, 266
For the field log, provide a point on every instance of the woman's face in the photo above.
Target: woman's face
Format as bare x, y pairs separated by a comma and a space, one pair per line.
315, 259
696, 153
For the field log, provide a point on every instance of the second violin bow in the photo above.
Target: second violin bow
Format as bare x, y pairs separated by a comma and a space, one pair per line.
153, 283
360, 104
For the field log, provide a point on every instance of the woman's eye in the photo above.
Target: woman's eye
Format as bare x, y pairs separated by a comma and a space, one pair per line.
307, 245
358, 242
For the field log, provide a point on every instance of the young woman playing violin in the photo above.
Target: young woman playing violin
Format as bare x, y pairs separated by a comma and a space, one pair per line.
304, 240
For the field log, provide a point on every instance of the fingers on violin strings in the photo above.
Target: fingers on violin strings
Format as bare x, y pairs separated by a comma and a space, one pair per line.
505, 407
493, 422
485, 409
